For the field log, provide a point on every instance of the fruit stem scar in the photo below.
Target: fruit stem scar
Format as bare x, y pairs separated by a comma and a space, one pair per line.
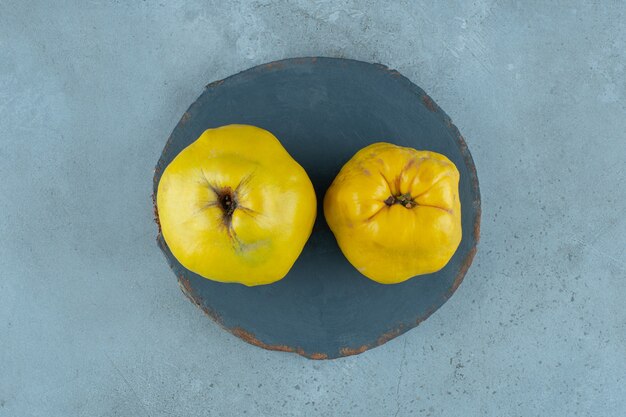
405, 200
228, 202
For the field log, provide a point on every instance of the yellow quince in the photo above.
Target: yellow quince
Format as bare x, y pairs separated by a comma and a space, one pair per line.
395, 212
234, 206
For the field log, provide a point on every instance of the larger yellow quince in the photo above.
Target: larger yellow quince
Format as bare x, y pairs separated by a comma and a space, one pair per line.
234, 206
395, 211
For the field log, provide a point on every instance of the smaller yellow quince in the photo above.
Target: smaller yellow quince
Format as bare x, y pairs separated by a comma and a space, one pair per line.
395, 212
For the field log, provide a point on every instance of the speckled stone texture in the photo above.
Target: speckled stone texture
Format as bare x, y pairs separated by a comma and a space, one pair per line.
92, 322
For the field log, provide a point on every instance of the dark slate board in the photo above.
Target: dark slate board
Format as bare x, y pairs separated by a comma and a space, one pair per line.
323, 110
